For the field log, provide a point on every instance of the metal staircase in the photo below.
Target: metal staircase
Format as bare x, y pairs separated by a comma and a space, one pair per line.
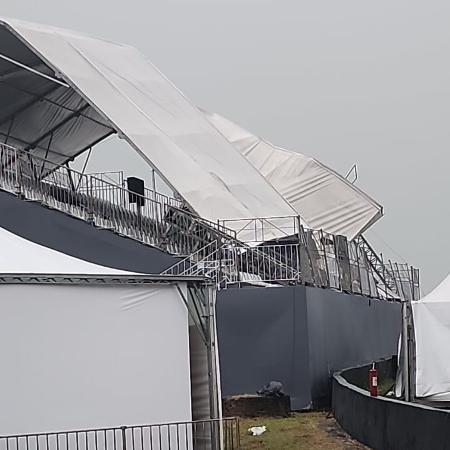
384, 274
235, 262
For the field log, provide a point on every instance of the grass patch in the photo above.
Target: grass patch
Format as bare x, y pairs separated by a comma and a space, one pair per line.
301, 431
386, 385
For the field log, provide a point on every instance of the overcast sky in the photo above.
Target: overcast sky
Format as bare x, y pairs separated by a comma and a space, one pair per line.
347, 81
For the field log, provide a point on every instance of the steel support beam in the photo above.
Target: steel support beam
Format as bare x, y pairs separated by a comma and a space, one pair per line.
33, 71
12, 73
75, 279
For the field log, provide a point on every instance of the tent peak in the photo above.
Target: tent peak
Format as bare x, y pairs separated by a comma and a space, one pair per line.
11, 22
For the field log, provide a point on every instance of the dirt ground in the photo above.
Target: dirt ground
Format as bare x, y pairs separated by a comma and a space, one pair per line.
302, 431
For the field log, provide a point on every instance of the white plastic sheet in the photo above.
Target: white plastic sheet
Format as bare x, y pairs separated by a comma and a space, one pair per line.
323, 198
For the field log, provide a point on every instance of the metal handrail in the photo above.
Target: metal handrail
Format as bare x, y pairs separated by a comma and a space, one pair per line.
225, 263
212, 249
161, 223
214, 434
187, 265
116, 177
263, 229
317, 259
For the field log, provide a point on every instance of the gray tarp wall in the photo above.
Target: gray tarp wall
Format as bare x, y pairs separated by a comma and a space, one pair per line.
300, 336
263, 337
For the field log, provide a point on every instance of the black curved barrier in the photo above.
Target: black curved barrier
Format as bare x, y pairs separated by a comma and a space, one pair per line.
388, 424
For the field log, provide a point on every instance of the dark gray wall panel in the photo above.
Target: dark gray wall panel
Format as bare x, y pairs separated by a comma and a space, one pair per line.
345, 331
262, 337
300, 336
77, 238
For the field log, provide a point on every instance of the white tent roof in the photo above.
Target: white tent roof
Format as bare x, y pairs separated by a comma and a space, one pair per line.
113, 88
432, 334
441, 293
20, 256
323, 198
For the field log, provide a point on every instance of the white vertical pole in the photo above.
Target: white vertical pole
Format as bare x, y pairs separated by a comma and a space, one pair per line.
405, 350
411, 352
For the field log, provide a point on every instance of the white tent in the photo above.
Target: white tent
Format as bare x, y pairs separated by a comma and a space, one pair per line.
323, 198
85, 346
21, 256
431, 317
62, 92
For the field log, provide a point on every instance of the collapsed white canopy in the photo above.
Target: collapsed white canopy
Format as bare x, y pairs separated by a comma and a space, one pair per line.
324, 199
113, 88
432, 334
20, 256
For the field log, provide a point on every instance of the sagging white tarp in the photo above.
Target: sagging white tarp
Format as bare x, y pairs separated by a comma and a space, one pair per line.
20, 256
124, 91
81, 357
323, 198
431, 317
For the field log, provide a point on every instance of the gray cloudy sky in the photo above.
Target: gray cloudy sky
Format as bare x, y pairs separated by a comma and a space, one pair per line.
344, 81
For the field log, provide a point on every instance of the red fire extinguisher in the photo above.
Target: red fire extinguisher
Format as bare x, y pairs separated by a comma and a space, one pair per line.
373, 381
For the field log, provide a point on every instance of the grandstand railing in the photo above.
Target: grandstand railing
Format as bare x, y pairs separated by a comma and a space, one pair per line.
156, 220
117, 178
235, 262
257, 230
212, 434
213, 250
315, 258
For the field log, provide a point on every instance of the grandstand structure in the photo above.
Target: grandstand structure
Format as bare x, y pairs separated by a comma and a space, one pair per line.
209, 249
242, 211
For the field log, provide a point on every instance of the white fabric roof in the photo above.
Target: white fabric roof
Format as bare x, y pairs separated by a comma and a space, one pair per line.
19, 255
323, 198
432, 333
120, 90
44, 117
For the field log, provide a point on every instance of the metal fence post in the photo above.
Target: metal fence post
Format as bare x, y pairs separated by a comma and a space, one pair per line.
299, 243
90, 200
17, 170
219, 272
322, 241
124, 437
338, 265
359, 269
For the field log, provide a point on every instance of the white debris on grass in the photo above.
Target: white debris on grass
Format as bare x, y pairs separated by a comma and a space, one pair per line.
257, 431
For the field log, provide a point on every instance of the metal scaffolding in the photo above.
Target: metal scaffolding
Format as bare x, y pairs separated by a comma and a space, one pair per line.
211, 250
